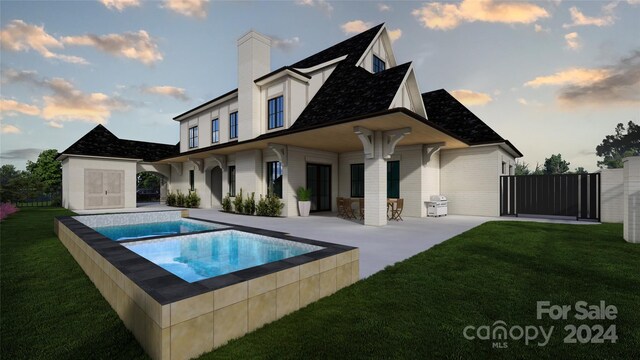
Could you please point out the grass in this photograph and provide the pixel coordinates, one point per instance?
(415, 309)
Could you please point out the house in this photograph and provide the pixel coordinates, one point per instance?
(348, 121)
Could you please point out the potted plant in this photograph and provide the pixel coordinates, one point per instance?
(304, 203)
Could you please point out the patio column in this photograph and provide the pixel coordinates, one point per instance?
(378, 146)
(375, 185)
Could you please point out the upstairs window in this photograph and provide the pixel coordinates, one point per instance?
(215, 130)
(276, 112)
(193, 137)
(378, 65)
(274, 178)
(233, 125)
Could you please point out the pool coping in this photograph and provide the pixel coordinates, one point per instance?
(166, 287)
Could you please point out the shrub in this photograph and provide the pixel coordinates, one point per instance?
(180, 198)
(274, 205)
(249, 206)
(7, 209)
(237, 202)
(262, 209)
(303, 194)
(192, 200)
(171, 199)
(226, 203)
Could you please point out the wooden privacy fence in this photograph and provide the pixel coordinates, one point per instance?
(574, 195)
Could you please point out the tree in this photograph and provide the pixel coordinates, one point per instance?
(555, 165)
(8, 173)
(522, 168)
(616, 147)
(581, 170)
(148, 180)
(47, 171)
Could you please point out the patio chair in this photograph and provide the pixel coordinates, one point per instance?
(397, 211)
(361, 203)
(342, 211)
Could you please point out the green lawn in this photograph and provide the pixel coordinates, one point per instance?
(415, 309)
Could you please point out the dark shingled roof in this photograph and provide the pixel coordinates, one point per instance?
(352, 91)
(353, 46)
(102, 142)
(443, 109)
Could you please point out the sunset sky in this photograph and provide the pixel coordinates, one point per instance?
(550, 76)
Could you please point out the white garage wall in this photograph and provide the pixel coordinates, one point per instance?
(612, 192)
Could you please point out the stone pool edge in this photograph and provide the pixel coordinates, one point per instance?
(180, 320)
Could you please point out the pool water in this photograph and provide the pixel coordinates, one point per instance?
(140, 231)
(201, 256)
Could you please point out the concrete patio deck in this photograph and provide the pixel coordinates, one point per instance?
(379, 246)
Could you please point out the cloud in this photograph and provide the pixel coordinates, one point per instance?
(574, 76)
(191, 8)
(54, 124)
(539, 28)
(20, 36)
(383, 7)
(175, 92)
(9, 129)
(579, 19)
(65, 102)
(133, 45)
(447, 16)
(120, 4)
(21, 154)
(322, 5)
(12, 107)
(285, 45)
(355, 26)
(522, 101)
(470, 98)
(573, 40)
(617, 84)
(394, 34)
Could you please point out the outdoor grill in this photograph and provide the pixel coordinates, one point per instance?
(437, 206)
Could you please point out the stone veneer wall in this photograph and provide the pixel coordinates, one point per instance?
(198, 324)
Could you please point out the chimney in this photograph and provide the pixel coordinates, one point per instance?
(254, 61)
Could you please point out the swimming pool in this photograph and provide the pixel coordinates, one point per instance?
(201, 256)
(145, 230)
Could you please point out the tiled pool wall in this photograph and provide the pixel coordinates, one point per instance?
(101, 220)
(179, 320)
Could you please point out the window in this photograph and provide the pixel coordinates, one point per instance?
(274, 177)
(232, 181)
(357, 180)
(215, 130)
(276, 112)
(233, 125)
(393, 179)
(504, 168)
(192, 180)
(378, 65)
(193, 137)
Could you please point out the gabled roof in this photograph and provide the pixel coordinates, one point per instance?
(102, 142)
(445, 110)
(353, 47)
(352, 91)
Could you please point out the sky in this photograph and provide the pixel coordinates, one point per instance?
(550, 76)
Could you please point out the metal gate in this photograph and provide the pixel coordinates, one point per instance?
(574, 195)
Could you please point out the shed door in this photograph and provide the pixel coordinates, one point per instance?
(103, 189)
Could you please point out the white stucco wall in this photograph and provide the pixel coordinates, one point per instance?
(611, 195)
(203, 121)
(469, 178)
(73, 179)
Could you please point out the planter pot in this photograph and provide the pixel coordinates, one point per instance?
(304, 207)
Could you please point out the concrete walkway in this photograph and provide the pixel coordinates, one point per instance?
(379, 246)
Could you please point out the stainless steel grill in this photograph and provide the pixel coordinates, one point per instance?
(437, 206)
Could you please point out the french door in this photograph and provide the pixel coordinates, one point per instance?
(319, 181)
